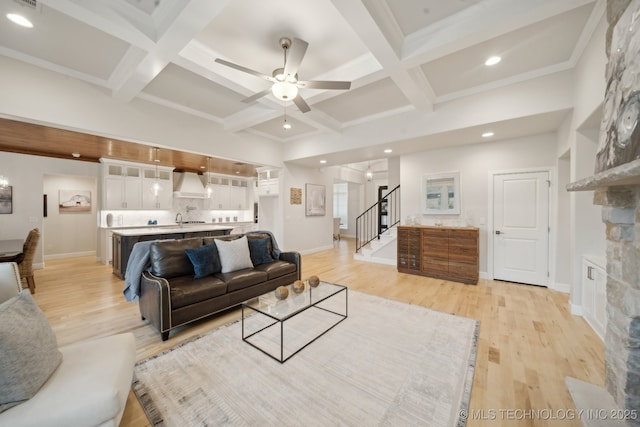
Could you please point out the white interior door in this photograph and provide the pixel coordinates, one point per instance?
(521, 227)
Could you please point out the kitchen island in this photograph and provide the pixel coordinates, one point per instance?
(125, 238)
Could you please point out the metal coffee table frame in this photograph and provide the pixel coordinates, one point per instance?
(261, 307)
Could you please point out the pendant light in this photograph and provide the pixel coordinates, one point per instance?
(209, 186)
(369, 173)
(156, 188)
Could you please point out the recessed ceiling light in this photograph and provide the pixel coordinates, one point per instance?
(492, 60)
(388, 150)
(487, 134)
(201, 167)
(323, 161)
(20, 20)
(75, 154)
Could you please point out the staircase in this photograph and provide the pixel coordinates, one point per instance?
(376, 230)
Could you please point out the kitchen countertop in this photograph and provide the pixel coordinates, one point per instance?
(164, 229)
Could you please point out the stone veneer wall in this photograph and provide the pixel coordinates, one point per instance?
(621, 214)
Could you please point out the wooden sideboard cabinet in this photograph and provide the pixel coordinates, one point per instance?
(449, 253)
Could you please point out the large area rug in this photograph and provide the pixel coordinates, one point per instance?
(388, 363)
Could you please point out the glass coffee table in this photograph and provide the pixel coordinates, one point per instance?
(281, 328)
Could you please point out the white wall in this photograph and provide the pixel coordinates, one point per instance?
(68, 234)
(563, 276)
(303, 233)
(474, 163)
(26, 175)
(587, 229)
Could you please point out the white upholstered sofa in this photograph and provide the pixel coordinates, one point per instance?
(88, 388)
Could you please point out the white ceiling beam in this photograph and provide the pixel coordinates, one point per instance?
(187, 24)
(378, 30)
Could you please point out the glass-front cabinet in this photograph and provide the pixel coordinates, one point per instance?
(133, 186)
(226, 193)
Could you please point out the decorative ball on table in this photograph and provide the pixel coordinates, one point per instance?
(282, 292)
(314, 281)
(298, 286)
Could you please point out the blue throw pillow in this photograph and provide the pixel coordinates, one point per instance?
(205, 260)
(259, 251)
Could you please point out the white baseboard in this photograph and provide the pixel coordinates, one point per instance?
(314, 250)
(69, 255)
(565, 288)
(576, 309)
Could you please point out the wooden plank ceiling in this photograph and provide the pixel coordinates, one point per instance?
(28, 138)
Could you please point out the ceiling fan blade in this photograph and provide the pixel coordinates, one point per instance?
(325, 84)
(301, 104)
(256, 96)
(294, 56)
(244, 69)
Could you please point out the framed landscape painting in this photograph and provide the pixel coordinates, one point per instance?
(74, 201)
(316, 200)
(6, 200)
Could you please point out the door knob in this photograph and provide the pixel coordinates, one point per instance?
(498, 232)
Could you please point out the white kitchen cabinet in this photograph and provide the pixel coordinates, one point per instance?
(106, 244)
(594, 293)
(218, 192)
(238, 194)
(227, 193)
(268, 183)
(162, 199)
(122, 186)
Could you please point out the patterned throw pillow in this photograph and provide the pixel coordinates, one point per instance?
(205, 260)
(234, 255)
(29, 352)
(259, 251)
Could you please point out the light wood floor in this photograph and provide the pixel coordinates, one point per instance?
(528, 339)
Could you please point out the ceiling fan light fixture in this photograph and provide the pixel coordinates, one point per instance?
(284, 91)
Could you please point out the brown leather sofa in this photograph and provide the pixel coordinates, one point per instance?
(170, 296)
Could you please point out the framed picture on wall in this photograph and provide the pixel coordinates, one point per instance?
(316, 201)
(74, 201)
(6, 200)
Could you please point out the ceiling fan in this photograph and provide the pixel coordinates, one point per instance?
(285, 80)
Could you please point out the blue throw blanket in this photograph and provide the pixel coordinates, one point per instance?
(138, 262)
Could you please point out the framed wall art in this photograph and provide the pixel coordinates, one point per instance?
(441, 194)
(74, 201)
(295, 196)
(316, 200)
(6, 200)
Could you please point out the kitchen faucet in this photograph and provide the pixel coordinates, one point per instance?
(179, 221)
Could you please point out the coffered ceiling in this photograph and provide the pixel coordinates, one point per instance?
(402, 56)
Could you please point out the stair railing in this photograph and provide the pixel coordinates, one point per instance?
(369, 225)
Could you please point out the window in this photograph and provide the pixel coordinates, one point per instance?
(341, 203)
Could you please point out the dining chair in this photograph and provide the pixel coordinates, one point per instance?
(24, 260)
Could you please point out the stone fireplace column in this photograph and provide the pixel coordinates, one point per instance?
(617, 189)
(620, 213)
